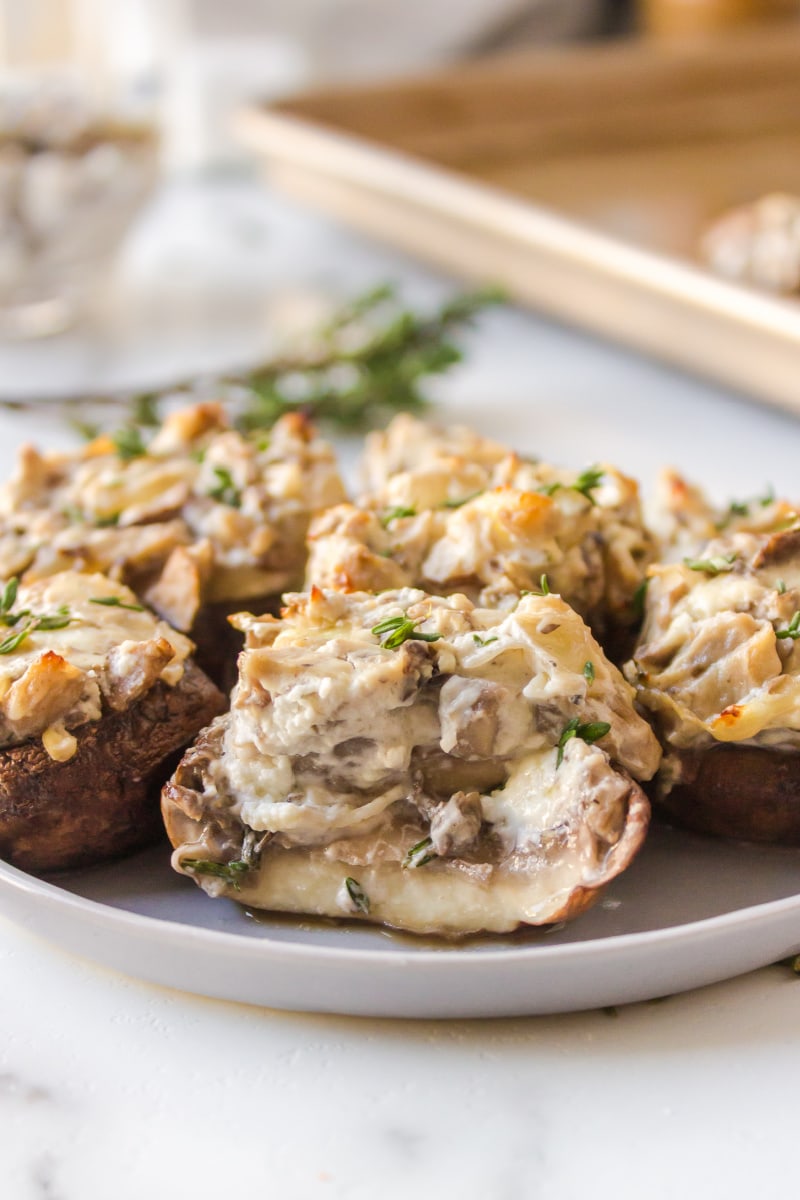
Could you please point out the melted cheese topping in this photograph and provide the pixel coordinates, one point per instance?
(684, 518)
(55, 680)
(711, 666)
(328, 728)
(484, 523)
(240, 505)
(437, 776)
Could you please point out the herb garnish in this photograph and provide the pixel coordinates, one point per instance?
(639, 597)
(793, 630)
(464, 500)
(231, 872)
(128, 443)
(57, 620)
(588, 671)
(420, 854)
(225, 491)
(736, 508)
(399, 630)
(718, 565)
(357, 894)
(115, 602)
(586, 482)
(780, 587)
(394, 514)
(590, 733)
(9, 594)
(544, 586)
(479, 641)
(370, 360)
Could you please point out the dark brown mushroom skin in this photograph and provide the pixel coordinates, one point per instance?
(741, 792)
(217, 643)
(103, 802)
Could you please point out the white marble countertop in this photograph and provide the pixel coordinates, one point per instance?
(114, 1088)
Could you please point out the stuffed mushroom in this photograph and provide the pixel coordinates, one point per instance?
(97, 695)
(450, 512)
(199, 521)
(718, 672)
(415, 761)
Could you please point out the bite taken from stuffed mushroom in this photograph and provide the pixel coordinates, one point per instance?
(418, 762)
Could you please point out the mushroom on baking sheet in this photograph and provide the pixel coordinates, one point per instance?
(418, 762)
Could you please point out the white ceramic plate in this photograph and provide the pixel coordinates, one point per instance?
(690, 911)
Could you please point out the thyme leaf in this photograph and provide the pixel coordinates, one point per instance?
(225, 491)
(129, 443)
(9, 594)
(394, 514)
(230, 872)
(393, 631)
(14, 640)
(639, 598)
(479, 641)
(357, 894)
(793, 629)
(718, 565)
(587, 481)
(57, 620)
(462, 501)
(420, 854)
(588, 671)
(33, 621)
(589, 733)
(115, 602)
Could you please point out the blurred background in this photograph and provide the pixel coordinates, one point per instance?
(136, 236)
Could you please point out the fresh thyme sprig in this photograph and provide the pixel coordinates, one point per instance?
(32, 621)
(369, 361)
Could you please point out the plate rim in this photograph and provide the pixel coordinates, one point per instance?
(47, 894)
